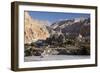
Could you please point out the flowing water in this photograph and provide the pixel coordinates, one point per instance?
(55, 57)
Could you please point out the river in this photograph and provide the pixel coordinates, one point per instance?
(55, 57)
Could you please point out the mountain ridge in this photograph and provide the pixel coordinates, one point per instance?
(41, 30)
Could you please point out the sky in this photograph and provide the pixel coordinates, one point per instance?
(55, 16)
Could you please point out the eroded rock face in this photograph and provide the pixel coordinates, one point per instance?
(34, 29)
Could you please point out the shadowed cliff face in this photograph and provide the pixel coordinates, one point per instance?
(74, 26)
(34, 29)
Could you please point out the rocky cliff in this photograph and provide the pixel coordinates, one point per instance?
(75, 26)
(34, 29)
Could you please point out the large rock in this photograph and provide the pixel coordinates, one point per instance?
(34, 29)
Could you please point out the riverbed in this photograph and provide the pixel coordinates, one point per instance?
(55, 57)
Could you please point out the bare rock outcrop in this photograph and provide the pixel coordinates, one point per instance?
(34, 29)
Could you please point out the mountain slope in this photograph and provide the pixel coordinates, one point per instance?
(74, 26)
(34, 29)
